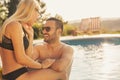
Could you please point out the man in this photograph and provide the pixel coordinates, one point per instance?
(53, 48)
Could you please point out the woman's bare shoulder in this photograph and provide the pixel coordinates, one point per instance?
(12, 28)
(13, 24)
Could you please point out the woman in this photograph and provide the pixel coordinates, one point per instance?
(16, 39)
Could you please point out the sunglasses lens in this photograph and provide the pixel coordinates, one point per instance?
(46, 28)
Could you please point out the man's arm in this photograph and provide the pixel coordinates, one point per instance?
(65, 61)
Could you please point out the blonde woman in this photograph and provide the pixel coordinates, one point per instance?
(16, 37)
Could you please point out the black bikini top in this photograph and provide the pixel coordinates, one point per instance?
(7, 43)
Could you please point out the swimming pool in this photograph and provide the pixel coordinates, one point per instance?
(93, 41)
(95, 58)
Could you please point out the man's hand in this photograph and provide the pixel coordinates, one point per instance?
(47, 63)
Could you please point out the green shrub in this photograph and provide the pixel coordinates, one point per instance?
(37, 30)
(68, 29)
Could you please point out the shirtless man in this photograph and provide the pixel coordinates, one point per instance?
(53, 48)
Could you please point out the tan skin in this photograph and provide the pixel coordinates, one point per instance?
(0, 55)
(16, 59)
(54, 49)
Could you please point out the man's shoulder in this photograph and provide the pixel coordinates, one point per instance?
(41, 45)
(68, 49)
(67, 46)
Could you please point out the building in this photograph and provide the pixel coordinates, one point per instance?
(90, 25)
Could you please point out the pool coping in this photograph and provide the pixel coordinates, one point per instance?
(81, 37)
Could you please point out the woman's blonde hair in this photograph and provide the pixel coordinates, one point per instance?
(23, 13)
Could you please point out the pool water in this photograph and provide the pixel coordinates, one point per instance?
(95, 59)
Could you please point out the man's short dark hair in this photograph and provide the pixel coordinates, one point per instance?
(59, 23)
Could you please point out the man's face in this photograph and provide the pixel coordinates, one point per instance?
(49, 31)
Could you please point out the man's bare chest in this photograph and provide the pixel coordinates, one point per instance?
(55, 54)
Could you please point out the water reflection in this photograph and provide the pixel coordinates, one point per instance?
(111, 65)
(95, 62)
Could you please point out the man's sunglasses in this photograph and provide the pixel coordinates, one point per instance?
(46, 28)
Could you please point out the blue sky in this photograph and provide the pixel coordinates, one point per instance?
(77, 9)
